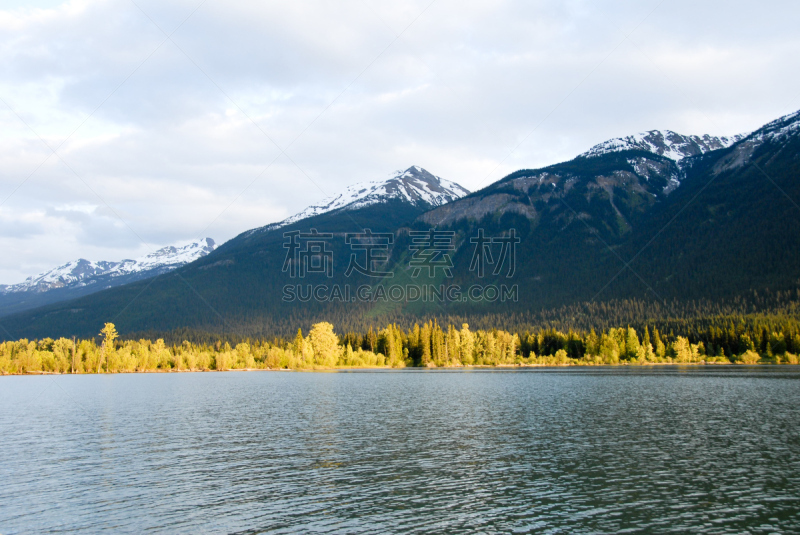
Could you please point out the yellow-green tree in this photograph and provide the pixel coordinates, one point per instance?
(325, 344)
(109, 334)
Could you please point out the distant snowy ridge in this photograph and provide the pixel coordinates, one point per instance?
(779, 129)
(82, 272)
(415, 185)
(664, 143)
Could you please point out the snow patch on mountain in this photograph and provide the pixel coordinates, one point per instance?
(82, 272)
(415, 185)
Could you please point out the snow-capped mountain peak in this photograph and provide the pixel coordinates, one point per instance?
(82, 272)
(664, 143)
(415, 185)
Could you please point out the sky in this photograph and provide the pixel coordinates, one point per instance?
(129, 125)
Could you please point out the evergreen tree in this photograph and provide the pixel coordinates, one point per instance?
(660, 348)
(297, 345)
(631, 344)
(467, 349)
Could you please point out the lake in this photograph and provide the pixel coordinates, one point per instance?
(634, 449)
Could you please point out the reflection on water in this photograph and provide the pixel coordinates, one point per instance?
(570, 451)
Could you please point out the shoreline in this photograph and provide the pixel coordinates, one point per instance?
(421, 368)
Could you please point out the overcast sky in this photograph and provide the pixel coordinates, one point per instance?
(128, 125)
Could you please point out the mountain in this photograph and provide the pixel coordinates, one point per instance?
(81, 277)
(649, 220)
(645, 221)
(414, 186)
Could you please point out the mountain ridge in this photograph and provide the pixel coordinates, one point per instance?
(82, 272)
(607, 226)
(665, 143)
(645, 168)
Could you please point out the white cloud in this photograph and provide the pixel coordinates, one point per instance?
(166, 138)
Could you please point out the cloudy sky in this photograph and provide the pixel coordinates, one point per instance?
(128, 125)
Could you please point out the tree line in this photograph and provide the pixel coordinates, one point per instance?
(720, 340)
(684, 318)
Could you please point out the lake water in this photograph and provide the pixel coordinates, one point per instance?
(546, 451)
